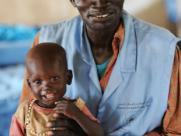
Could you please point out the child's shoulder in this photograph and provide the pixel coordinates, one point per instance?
(22, 110)
(23, 105)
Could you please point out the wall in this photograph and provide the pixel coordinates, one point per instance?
(35, 12)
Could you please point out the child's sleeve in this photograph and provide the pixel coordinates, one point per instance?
(16, 128)
(82, 106)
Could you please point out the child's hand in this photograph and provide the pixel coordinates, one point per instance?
(61, 125)
(67, 108)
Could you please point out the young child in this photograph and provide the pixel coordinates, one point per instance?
(47, 76)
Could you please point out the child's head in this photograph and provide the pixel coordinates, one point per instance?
(47, 73)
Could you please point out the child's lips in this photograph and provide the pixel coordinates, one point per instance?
(50, 97)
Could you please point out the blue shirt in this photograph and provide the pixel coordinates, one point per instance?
(139, 81)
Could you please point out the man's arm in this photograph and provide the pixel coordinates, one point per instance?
(172, 118)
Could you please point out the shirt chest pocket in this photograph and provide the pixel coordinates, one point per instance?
(128, 112)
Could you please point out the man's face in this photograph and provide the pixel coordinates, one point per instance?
(100, 14)
(47, 82)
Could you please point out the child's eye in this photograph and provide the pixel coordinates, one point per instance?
(37, 82)
(55, 78)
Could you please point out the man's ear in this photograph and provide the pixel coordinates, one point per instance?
(73, 3)
(69, 77)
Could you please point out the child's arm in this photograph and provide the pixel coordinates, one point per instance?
(86, 120)
(16, 128)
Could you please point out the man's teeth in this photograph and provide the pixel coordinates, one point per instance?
(102, 16)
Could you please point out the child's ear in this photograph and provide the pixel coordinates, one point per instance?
(69, 77)
(28, 82)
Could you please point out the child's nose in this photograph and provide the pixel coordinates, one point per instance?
(46, 82)
(46, 85)
(46, 88)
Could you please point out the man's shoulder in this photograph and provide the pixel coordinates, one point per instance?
(150, 33)
(149, 28)
(144, 30)
(62, 24)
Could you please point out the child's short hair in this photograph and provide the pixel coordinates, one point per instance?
(48, 50)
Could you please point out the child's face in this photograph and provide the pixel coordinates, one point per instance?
(47, 82)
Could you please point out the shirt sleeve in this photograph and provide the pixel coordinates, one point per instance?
(172, 118)
(171, 125)
(16, 128)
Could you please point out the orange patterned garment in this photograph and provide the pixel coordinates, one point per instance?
(30, 119)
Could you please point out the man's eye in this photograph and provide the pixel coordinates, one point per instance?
(56, 78)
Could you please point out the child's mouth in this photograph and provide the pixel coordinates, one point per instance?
(50, 97)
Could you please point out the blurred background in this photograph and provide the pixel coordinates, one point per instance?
(20, 20)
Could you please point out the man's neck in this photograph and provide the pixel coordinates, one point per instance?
(100, 39)
(101, 42)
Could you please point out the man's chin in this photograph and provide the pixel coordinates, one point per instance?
(100, 27)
